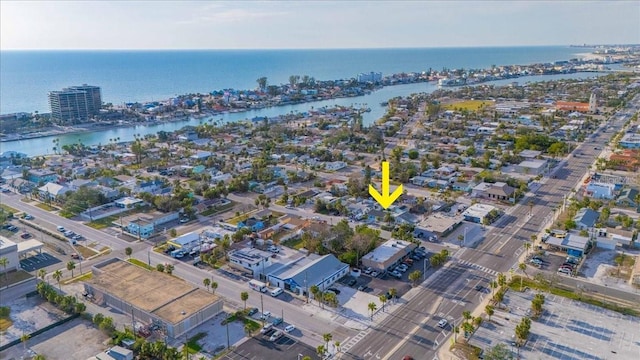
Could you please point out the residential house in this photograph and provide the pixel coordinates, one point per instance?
(598, 190)
(41, 176)
(335, 165)
(407, 218)
(496, 191)
(252, 223)
(629, 197)
(586, 218)
(22, 186)
(53, 191)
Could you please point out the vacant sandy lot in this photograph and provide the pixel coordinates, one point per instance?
(75, 340)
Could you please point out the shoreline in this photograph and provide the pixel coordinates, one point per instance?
(96, 127)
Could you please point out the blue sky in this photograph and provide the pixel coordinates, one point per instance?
(322, 24)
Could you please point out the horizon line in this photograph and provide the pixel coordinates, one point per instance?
(312, 48)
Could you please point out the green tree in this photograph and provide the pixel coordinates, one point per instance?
(244, 296)
(169, 269)
(57, 275)
(128, 251)
(415, 276)
(24, 338)
(71, 265)
(372, 308)
(160, 267)
(383, 300)
(327, 337)
(394, 293)
(321, 350)
(42, 274)
(490, 310)
(206, 282)
(214, 286)
(262, 83)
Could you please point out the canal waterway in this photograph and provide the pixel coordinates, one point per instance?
(44, 145)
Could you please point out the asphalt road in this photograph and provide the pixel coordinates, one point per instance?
(399, 335)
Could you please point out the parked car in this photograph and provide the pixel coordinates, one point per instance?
(277, 321)
(25, 235)
(28, 217)
(276, 335)
(368, 270)
(352, 282)
(375, 274)
(75, 256)
(273, 249)
(564, 271)
(69, 233)
(252, 311)
(61, 228)
(289, 328)
(409, 262)
(77, 237)
(416, 257)
(12, 228)
(362, 288)
(266, 328)
(442, 323)
(396, 274)
(265, 315)
(479, 288)
(184, 220)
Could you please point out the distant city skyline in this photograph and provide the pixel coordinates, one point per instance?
(148, 25)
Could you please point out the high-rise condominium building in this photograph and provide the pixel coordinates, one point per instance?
(75, 104)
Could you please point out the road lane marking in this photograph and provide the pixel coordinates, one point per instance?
(415, 330)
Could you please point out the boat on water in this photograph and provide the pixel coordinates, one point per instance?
(384, 103)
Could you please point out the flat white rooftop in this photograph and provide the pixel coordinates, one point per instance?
(385, 251)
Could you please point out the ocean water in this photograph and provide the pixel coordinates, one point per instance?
(126, 76)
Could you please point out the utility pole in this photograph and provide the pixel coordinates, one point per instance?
(262, 308)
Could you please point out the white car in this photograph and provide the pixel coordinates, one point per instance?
(266, 328)
(395, 274)
(442, 323)
(375, 274)
(289, 328)
(265, 315)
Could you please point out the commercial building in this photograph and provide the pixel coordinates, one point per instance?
(630, 141)
(75, 104)
(478, 212)
(187, 241)
(388, 255)
(151, 297)
(598, 190)
(147, 224)
(9, 251)
(573, 244)
(252, 260)
(437, 224)
(532, 167)
(306, 271)
(373, 77)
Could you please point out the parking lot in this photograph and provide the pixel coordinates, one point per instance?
(38, 261)
(567, 329)
(259, 348)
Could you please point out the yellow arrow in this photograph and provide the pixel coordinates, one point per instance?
(385, 199)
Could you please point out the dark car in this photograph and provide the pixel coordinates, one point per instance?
(25, 235)
(252, 311)
(334, 290)
(479, 288)
(352, 282)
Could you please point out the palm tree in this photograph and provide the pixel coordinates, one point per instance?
(169, 268)
(321, 350)
(372, 307)
(214, 286)
(527, 246)
(327, 337)
(24, 338)
(383, 300)
(489, 310)
(244, 296)
(70, 266)
(4, 262)
(57, 275)
(523, 267)
(394, 294)
(206, 282)
(128, 251)
(42, 273)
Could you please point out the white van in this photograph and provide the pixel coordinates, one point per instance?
(277, 291)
